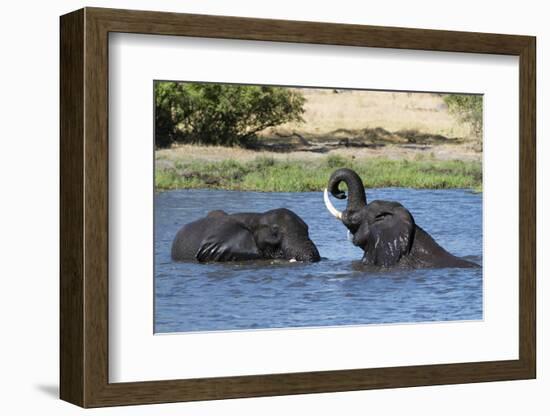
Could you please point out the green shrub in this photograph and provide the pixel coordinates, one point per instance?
(220, 114)
(469, 109)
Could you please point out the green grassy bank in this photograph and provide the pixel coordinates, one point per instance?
(272, 175)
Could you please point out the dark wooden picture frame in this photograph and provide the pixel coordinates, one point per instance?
(84, 207)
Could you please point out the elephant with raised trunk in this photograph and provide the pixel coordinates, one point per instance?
(385, 230)
(275, 234)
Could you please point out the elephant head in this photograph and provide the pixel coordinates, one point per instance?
(281, 234)
(383, 229)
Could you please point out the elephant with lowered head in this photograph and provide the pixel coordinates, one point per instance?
(385, 230)
(275, 234)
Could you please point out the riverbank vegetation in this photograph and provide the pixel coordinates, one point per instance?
(276, 139)
(267, 174)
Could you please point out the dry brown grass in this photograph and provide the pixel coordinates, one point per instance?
(326, 111)
(219, 153)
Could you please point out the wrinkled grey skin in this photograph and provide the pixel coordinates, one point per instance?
(275, 234)
(386, 230)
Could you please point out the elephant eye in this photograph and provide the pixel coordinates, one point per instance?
(354, 218)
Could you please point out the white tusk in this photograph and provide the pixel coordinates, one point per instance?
(331, 207)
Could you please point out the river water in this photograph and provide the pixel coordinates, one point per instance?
(335, 291)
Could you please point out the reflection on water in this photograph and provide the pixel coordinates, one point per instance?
(335, 291)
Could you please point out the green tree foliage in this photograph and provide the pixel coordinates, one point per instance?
(219, 114)
(469, 109)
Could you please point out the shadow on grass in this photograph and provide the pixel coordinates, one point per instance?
(361, 138)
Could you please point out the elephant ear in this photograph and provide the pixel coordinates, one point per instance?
(230, 241)
(389, 237)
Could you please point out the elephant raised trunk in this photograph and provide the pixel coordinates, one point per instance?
(356, 191)
(385, 230)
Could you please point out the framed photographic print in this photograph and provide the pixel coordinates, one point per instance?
(256, 207)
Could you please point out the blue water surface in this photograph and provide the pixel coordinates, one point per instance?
(335, 291)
